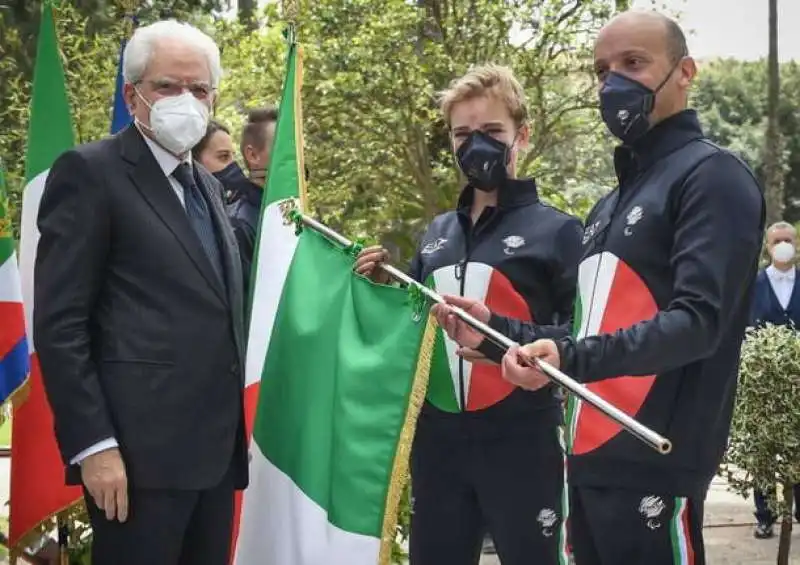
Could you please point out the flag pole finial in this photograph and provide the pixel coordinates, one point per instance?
(130, 11)
(290, 9)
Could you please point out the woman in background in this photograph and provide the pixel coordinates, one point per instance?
(215, 150)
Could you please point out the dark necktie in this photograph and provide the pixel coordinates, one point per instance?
(199, 216)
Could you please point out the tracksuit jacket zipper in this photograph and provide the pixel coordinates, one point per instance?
(471, 230)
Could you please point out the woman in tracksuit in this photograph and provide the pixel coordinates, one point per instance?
(487, 455)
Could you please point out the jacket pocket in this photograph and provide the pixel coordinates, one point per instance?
(142, 362)
(138, 397)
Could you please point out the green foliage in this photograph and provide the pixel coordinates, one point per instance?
(764, 448)
(378, 149)
(731, 97)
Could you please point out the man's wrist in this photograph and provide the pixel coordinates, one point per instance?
(491, 350)
(566, 354)
(104, 445)
(496, 322)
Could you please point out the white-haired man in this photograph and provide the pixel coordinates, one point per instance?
(138, 317)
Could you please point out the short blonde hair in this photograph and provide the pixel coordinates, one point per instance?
(486, 80)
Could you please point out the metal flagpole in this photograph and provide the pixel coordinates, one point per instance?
(637, 429)
(63, 540)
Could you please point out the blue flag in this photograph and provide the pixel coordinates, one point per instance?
(121, 117)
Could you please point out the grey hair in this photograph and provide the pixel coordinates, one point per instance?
(141, 46)
(782, 226)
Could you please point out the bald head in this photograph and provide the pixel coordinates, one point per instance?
(672, 35)
(649, 48)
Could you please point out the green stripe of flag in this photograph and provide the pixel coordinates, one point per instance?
(50, 131)
(337, 384)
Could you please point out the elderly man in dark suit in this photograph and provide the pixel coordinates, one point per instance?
(139, 317)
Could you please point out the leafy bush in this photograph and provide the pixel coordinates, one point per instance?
(764, 448)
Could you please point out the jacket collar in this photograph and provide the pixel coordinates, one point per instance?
(248, 191)
(661, 140)
(515, 193)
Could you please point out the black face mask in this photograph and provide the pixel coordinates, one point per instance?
(231, 176)
(483, 159)
(626, 105)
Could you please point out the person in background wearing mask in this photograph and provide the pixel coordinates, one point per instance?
(776, 301)
(663, 302)
(246, 192)
(215, 150)
(139, 317)
(487, 454)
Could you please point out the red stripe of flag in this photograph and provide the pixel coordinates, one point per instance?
(38, 491)
(250, 404)
(12, 329)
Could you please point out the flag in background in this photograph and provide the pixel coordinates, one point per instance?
(120, 117)
(37, 472)
(14, 356)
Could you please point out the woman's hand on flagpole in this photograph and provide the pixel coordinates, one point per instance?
(369, 261)
(458, 330)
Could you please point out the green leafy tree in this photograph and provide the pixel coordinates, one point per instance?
(379, 151)
(764, 447)
(731, 97)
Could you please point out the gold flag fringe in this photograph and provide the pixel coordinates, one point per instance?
(20, 394)
(16, 551)
(399, 476)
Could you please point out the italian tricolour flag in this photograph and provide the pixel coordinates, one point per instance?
(14, 360)
(37, 472)
(336, 372)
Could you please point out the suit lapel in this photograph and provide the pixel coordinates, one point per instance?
(795, 296)
(155, 188)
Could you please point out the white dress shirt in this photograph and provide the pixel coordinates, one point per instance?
(782, 284)
(168, 163)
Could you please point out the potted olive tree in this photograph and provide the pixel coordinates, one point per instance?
(764, 448)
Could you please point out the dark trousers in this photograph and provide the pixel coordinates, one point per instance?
(510, 486)
(764, 515)
(167, 527)
(616, 527)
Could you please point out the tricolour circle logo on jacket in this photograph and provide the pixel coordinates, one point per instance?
(483, 383)
(611, 296)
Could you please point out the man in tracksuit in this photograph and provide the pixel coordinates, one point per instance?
(664, 285)
(487, 455)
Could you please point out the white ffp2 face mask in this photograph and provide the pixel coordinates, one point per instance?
(178, 123)
(783, 252)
